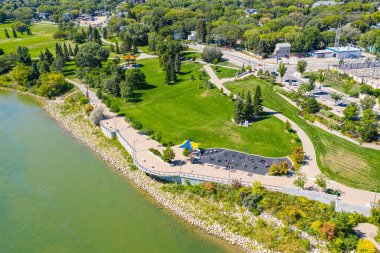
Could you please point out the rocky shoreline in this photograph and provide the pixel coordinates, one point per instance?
(80, 129)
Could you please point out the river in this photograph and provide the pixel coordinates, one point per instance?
(57, 196)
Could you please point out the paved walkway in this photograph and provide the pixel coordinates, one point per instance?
(142, 143)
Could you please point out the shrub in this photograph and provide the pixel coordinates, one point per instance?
(186, 151)
(328, 230)
(210, 53)
(135, 124)
(297, 157)
(155, 151)
(365, 246)
(88, 109)
(114, 108)
(209, 186)
(278, 169)
(252, 203)
(96, 116)
(83, 100)
(236, 184)
(168, 154)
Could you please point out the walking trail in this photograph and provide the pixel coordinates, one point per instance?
(152, 163)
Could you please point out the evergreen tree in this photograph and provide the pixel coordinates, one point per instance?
(135, 49)
(248, 111)
(43, 67)
(29, 31)
(24, 56)
(58, 64)
(177, 64)
(90, 31)
(97, 38)
(58, 50)
(14, 32)
(42, 56)
(201, 30)
(66, 52)
(49, 56)
(258, 102)
(105, 35)
(117, 47)
(76, 49)
(7, 34)
(35, 72)
(238, 111)
(71, 53)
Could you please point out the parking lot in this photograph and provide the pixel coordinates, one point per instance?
(233, 160)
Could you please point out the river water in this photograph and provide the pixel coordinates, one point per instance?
(57, 196)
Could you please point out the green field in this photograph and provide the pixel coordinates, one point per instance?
(339, 159)
(183, 110)
(224, 72)
(42, 38)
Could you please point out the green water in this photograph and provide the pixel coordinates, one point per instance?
(57, 196)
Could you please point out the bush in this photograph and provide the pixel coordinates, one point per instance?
(96, 116)
(365, 246)
(135, 124)
(278, 169)
(155, 151)
(210, 53)
(168, 154)
(83, 100)
(186, 151)
(88, 109)
(114, 108)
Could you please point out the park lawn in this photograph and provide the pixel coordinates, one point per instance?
(183, 110)
(41, 38)
(222, 72)
(338, 158)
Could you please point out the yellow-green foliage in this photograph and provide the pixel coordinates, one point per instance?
(365, 246)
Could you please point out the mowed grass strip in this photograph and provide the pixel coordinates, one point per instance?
(183, 110)
(222, 72)
(41, 38)
(339, 159)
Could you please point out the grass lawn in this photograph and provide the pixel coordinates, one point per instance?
(339, 159)
(42, 38)
(183, 110)
(224, 72)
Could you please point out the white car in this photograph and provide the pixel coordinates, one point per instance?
(284, 62)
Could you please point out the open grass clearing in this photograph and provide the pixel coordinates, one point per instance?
(183, 110)
(222, 72)
(338, 158)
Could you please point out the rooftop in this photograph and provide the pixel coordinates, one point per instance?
(344, 49)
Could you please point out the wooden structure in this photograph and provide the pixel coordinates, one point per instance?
(130, 58)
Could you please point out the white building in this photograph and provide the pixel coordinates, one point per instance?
(192, 36)
(345, 52)
(282, 49)
(324, 3)
(322, 54)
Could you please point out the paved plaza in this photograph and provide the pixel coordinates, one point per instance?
(234, 160)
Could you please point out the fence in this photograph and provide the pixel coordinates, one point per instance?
(312, 195)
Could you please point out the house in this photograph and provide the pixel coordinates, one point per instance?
(176, 36)
(322, 54)
(251, 11)
(324, 3)
(44, 15)
(282, 49)
(345, 52)
(192, 36)
(377, 26)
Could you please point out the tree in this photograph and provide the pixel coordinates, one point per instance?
(328, 230)
(306, 87)
(117, 47)
(71, 53)
(14, 32)
(177, 63)
(282, 70)
(365, 246)
(301, 66)
(368, 102)
(49, 56)
(248, 109)
(52, 85)
(96, 116)
(321, 77)
(258, 102)
(111, 86)
(321, 181)
(312, 106)
(300, 179)
(351, 111)
(210, 53)
(105, 33)
(238, 114)
(24, 56)
(126, 90)
(278, 169)
(43, 66)
(76, 49)
(135, 78)
(91, 55)
(21, 74)
(336, 96)
(6, 33)
(66, 52)
(58, 64)
(168, 155)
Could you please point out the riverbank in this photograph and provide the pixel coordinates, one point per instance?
(76, 124)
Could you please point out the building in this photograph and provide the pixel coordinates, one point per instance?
(192, 36)
(322, 54)
(324, 3)
(377, 26)
(345, 52)
(282, 49)
(251, 11)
